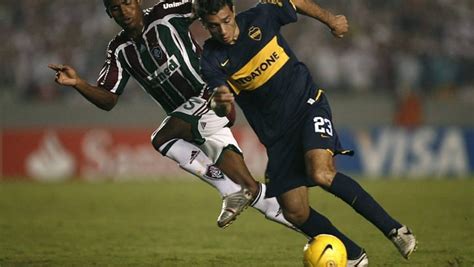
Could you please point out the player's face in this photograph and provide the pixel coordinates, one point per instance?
(127, 13)
(222, 25)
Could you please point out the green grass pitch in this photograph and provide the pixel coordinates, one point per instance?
(168, 223)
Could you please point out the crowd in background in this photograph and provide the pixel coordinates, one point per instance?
(394, 46)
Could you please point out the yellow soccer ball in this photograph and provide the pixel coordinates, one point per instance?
(325, 251)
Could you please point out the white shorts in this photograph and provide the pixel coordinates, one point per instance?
(209, 130)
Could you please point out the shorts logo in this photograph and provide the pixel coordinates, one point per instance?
(214, 173)
(194, 155)
(255, 33)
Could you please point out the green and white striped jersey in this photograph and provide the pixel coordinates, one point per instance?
(165, 61)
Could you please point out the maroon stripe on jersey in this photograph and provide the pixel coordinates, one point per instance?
(109, 79)
(198, 47)
(154, 48)
(131, 55)
(201, 110)
(184, 87)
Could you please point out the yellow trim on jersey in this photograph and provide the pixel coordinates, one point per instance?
(316, 98)
(330, 151)
(318, 95)
(278, 2)
(293, 4)
(263, 66)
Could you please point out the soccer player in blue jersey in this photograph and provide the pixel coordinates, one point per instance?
(247, 59)
(156, 48)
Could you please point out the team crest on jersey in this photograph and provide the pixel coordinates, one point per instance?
(255, 33)
(156, 52)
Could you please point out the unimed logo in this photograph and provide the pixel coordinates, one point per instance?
(165, 71)
(174, 4)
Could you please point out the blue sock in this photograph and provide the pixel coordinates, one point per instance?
(353, 194)
(318, 224)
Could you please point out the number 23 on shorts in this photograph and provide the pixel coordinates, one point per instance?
(322, 126)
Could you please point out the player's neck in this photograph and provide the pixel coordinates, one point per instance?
(236, 34)
(135, 33)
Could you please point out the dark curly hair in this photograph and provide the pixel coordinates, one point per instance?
(203, 8)
(106, 3)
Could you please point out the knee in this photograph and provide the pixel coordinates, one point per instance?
(296, 216)
(323, 177)
(158, 140)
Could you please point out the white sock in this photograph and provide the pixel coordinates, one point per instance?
(193, 160)
(270, 208)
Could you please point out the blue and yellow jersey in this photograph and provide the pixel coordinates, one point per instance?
(271, 85)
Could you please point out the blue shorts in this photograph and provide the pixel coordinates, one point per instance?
(286, 164)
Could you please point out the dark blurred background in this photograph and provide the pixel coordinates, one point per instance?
(401, 86)
(398, 53)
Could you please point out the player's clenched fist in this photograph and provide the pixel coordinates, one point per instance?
(221, 101)
(339, 25)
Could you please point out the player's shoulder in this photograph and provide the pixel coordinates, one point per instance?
(253, 12)
(213, 52)
(167, 7)
(261, 11)
(119, 39)
(212, 46)
(270, 7)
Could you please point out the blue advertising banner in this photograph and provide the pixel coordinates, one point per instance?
(426, 152)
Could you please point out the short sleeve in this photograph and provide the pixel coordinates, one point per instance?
(112, 76)
(284, 11)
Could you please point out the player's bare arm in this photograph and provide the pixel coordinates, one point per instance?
(67, 76)
(221, 101)
(337, 23)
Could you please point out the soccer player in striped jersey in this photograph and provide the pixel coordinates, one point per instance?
(248, 59)
(156, 48)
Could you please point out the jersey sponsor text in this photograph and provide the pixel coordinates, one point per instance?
(263, 66)
(164, 72)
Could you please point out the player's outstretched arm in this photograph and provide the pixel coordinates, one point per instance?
(337, 23)
(221, 101)
(67, 76)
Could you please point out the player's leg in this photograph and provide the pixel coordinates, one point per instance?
(222, 148)
(320, 167)
(321, 144)
(232, 163)
(296, 209)
(286, 178)
(172, 140)
(169, 140)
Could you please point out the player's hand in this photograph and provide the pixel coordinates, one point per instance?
(339, 26)
(65, 75)
(221, 101)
